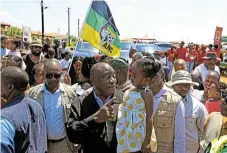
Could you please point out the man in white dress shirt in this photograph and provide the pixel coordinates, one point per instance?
(195, 111)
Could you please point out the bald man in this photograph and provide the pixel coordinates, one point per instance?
(202, 95)
(38, 71)
(93, 117)
(55, 99)
(179, 64)
(135, 57)
(22, 122)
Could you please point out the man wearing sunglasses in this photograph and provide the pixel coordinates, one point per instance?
(55, 99)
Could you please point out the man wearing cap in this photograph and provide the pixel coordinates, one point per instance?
(33, 58)
(120, 67)
(195, 111)
(201, 71)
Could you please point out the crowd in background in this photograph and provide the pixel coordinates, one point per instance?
(163, 102)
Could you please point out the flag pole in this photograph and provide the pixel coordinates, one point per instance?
(74, 51)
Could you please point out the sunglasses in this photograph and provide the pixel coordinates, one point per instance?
(51, 75)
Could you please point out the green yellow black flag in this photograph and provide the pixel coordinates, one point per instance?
(100, 30)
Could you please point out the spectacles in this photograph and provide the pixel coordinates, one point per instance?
(51, 75)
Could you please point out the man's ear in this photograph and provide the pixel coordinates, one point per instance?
(92, 79)
(117, 71)
(10, 87)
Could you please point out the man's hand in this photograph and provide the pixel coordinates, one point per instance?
(67, 79)
(105, 113)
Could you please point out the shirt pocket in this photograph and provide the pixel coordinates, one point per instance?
(190, 120)
(165, 119)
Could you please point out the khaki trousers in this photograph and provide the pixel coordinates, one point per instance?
(58, 147)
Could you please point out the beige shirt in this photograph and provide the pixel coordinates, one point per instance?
(195, 115)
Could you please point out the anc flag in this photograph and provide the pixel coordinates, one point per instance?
(100, 30)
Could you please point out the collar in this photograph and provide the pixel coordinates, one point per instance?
(60, 87)
(214, 99)
(186, 99)
(162, 92)
(15, 99)
(99, 101)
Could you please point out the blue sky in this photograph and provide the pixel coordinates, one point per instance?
(166, 20)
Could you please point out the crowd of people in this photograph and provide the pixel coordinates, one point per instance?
(107, 105)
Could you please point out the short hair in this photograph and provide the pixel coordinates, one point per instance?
(138, 55)
(48, 62)
(17, 43)
(177, 61)
(16, 76)
(34, 69)
(87, 64)
(51, 50)
(67, 53)
(14, 58)
(3, 38)
(212, 72)
(148, 66)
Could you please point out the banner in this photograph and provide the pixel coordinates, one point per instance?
(217, 36)
(224, 39)
(13, 31)
(26, 33)
(100, 30)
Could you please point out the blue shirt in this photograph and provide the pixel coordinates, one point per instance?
(7, 136)
(4, 52)
(99, 101)
(54, 114)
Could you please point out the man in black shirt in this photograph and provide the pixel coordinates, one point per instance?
(33, 58)
(58, 49)
(93, 117)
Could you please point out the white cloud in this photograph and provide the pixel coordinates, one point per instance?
(4, 14)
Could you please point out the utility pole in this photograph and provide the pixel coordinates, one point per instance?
(78, 28)
(42, 17)
(69, 25)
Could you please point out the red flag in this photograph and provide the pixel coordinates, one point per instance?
(217, 36)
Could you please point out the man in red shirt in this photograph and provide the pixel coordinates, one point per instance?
(217, 50)
(171, 57)
(180, 52)
(201, 54)
(190, 57)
